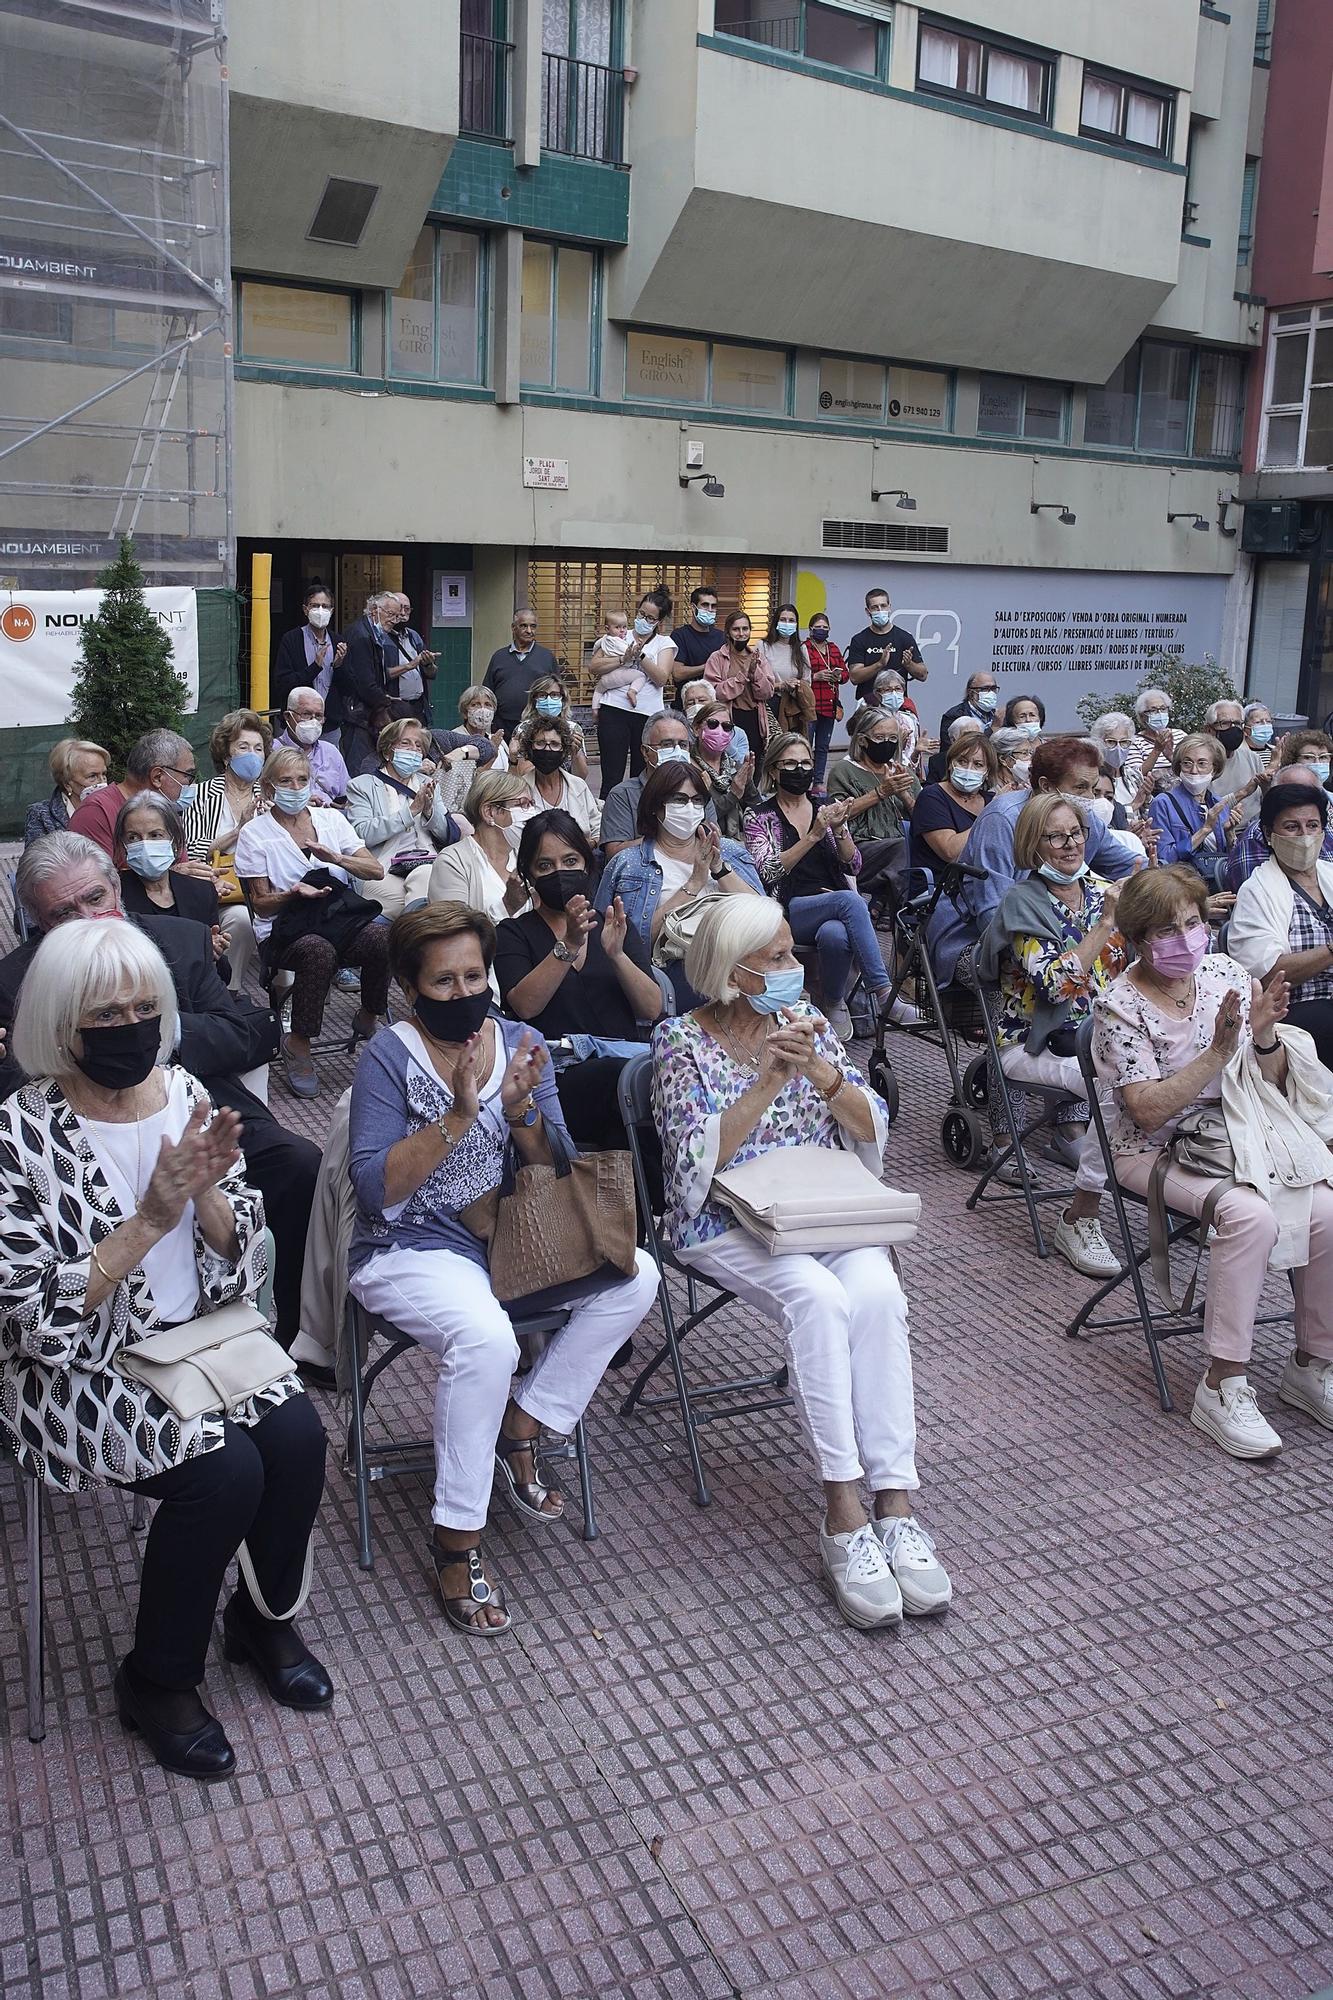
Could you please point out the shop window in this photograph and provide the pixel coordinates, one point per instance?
(296, 324)
(919, 396)
(665, 368)
(1009, 406)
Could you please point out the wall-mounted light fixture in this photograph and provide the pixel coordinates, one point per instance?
(1196, 521)
(898, 493)
(1066, 515)
(712, 489)
(1225, 501)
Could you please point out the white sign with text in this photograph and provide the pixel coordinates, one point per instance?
(39, 647)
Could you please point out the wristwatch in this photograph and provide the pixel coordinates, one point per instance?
(564, 954)
(718, 873)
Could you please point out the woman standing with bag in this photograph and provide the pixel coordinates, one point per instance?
(743, 678)
(752, 1070)
(446, 1105)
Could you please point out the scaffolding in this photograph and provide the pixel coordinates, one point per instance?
(115, 290)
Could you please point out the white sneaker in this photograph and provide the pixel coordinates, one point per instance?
(902, 1013)
(840, 1020)
(1309, 1389)
(1082, 1244)
(859, 1574)
(1232, 1418)
(922, 1578)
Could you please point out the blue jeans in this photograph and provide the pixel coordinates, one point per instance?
(821, 729)
(838, 925)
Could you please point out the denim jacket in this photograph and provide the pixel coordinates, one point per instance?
(635, 877)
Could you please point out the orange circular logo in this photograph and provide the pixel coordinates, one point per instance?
(17, 623)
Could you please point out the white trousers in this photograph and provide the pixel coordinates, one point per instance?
(1023, 1067)
(445, 1302)
(395, 892)
(239, 932)
(845, 1320)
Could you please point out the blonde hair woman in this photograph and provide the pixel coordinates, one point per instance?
(77, 767)
(479, 870)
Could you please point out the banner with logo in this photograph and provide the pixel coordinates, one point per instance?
(39, 648)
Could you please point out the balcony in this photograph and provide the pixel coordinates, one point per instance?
(583, 109)
(484, 103)
(783, 34)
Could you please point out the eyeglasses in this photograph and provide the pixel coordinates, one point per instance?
(1063, 839)
(176, 772)
(793, 767)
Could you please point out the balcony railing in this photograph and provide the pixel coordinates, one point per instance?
(483, 92)
(583, 109)
(783, 33)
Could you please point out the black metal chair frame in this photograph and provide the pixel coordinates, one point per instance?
(369, 1463)
(635, 1109)
(1052, 1099)
(1162, 1324)
(278, 983)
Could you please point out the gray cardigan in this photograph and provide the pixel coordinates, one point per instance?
(1025, 911)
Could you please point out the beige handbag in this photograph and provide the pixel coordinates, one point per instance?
(557, 1228)
(679, 926)
(817, 1199)
(210, 1363)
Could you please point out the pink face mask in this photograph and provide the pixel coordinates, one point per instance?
(1180, 955)
(714, 738)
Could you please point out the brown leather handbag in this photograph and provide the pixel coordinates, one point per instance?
(556, 1227)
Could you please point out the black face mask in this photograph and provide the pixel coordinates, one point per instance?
(118, 1058)
(547, 761)
(452, 1020)
(882, 752)
(1231, 738)
(740, 645)
(559, 889)
(819, 634)
(797, 781)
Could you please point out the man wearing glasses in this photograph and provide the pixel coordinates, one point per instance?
(161, 761)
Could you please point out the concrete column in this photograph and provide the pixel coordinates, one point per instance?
(494, 587)
(507, 305)
(527, 34)
(1068, 108)
(902, 47)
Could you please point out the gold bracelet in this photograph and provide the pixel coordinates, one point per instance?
(101, 1268)
(829, 1095)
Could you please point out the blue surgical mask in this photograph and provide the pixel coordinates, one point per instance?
(1028, 728)
(407, 762)
(1321, 772)
(781, 989)
(1061, 875)
(187, 794)
(149, 858)
(247, 764)
(673, 753)
(704, 615)
(291, 798)
(644, 628)
(879, 619)
(891, 698)
(986, 701)
(967, 778)
(549, 705)
(1159, 719)
(786, 629)
(1261, 735)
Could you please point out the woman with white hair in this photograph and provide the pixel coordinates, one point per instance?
(123, 1211)
(1252, 765)
(1148, 762)
(751, 1070)
(76, 768)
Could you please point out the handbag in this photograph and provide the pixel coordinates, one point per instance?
(679, 926)
(557, 1227)
(816, 1198)
(224, 874)
(1201, 1145)
(210, 1363)
(796, 707)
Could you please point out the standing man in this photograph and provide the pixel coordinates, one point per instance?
(362, 681)
(697, 640)
(513, 668)
(413, 668)
(882, 644)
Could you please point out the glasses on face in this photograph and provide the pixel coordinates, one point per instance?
(186, 777)
(1063, 839)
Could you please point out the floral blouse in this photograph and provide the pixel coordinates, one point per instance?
(695, 1080)
(766, 836)
(1036, 964)
(1133, 1041)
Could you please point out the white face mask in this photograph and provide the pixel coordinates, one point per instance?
(1022, 769)
(682, 818)
(309, 731)
(479, 720)
(1196, 782)
(513, 834)
(1101, 809)
(318, 617)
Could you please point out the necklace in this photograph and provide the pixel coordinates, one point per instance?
(737, 1052)
(1184, 1004)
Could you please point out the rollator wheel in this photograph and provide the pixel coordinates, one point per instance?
(962, 1137)
(883, 1079)
(976, 1083)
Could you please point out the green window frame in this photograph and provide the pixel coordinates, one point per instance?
(432, 335)
(248, 292)
(804, 30)
(1023, 391)
(711, 400)
(570, 370)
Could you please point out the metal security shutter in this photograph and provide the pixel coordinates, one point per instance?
(1277, 630)
(569, 594)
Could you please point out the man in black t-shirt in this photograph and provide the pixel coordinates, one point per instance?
(696, 641)
(883, 644)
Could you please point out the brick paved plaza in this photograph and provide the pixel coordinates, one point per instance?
(1106, 1772)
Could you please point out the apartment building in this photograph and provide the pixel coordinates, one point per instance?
(1288, 482)
(551, 301)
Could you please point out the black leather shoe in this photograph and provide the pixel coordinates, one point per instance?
(196, 1753)
(301, 1684)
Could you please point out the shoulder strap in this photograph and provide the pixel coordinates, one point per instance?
(1159, 1236)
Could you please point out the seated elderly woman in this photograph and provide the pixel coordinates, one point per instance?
(880, 787)
(404, 817)
(442, 1104)
(945, 813)
(149, 841)
(238, 746)
(1053, 946)
(476, 712)
(1252, 763)
(1164, 1032)
(1193, 824)
(804, 855)
(77, 768)
(296, 860)
(1013, 758)
(1283, 919)
(480, 868)
(751, 1070)
(695, 697)
(548, 702)
(124, 1210)
(1148, 759)
(1026, 712)
(1249, 850)
(554, 787)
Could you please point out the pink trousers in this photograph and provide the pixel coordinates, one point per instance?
(1244, 1232)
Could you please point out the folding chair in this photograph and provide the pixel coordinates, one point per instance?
(1051, 1099)
(278, 985)
(360, 1329)
(1162, 1324)
(636, 1110)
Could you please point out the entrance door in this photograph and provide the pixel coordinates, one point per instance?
(359, 576)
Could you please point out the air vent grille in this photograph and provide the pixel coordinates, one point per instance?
(343, 212)
(908, 538)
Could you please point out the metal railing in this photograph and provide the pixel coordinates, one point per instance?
(1263, 45)
(783, 33)
(483, 87)
(583, 109)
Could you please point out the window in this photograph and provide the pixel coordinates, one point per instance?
(36, 316)
(1168, 398)
(852, 390)
(296, 324)
(663, 368)
(848, 37)
(1011, 407)
(556, 328)
(1131, 114)
(1298, 413)
(435, 317)
(1245, 234)
(952, 64)
(919, 396)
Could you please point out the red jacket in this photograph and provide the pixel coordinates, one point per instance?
(826, 692)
